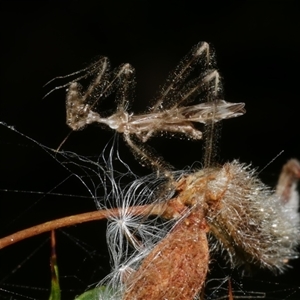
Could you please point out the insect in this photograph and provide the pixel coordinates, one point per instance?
(174, 111)
(212, 208)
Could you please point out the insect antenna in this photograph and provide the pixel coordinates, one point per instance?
(90, 70)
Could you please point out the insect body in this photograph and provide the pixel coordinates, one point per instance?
(171, 112)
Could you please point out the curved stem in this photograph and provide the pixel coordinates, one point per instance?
(156, 209)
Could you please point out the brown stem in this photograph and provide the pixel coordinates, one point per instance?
(157, 209)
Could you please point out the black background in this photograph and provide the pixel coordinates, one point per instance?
(257, 45)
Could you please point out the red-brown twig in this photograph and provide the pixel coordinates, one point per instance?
(157, 209)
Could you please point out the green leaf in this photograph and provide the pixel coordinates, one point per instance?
(55, 288)
(95, 294)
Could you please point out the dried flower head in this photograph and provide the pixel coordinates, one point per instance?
(251, 223)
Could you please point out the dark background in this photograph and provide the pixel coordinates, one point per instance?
(257, 45)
